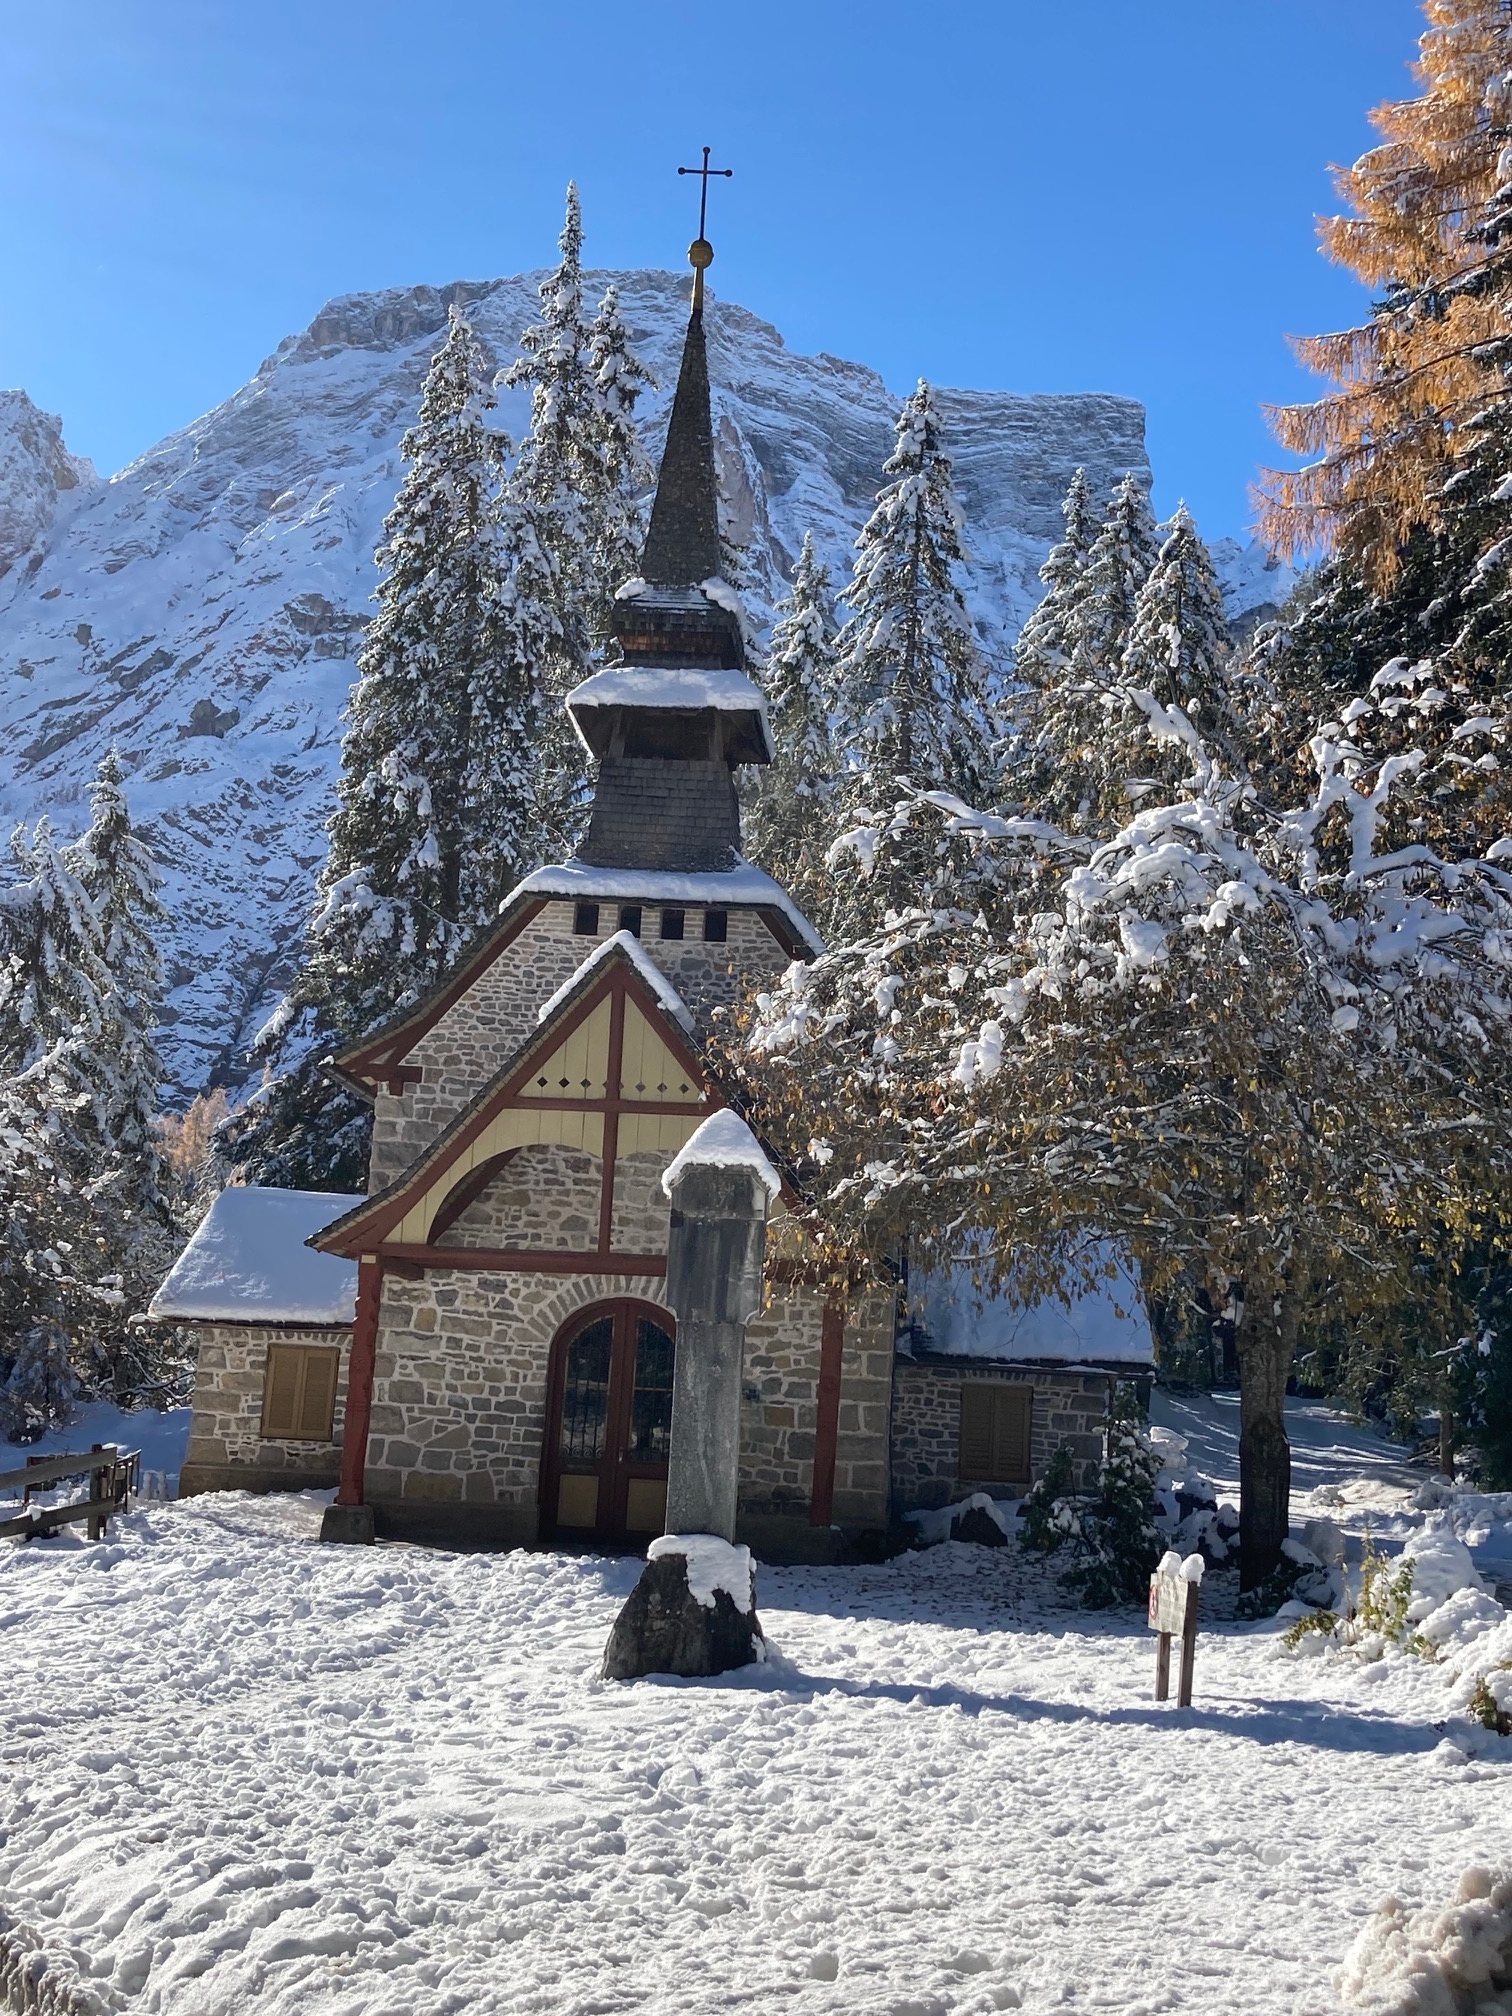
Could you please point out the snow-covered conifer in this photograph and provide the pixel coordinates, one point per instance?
(1125, 549)
(912, 696)
(1178, 655)
(440, 798)
(116, 869)
(1062, 749)
(785, 823)
(52, 977)
(1042, 652)
(623, 474)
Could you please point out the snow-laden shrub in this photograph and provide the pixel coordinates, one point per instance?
(1047, 1514)
(1114, 1537)
(41, 1385)
(1298, 1577)
(1456, 1962)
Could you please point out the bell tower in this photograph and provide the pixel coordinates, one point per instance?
(672, 718)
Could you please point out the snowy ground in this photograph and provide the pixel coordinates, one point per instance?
(245, 1775)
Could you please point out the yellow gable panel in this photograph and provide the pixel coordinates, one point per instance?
(665, 1133)
(513, 1128)
(648, 1070)
(579, 1067)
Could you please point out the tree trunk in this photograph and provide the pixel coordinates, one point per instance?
(1267, 1340)
(1446, 1439)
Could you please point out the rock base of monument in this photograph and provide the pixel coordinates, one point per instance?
(692, 1613)
(348, 1525)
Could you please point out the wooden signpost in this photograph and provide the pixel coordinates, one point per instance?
(1174, 1589)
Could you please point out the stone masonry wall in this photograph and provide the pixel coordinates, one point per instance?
(641, 1212)
(460, 1387)
(227, 1450)
(545, 1197)
(1069, 1407)
(863, 1469)
(478, 1034)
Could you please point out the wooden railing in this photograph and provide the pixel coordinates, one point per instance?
(113, 1473)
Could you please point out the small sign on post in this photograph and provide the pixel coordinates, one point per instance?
(1174, 1590)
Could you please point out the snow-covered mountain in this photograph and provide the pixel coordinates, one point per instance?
(203, 609)
(39, 480)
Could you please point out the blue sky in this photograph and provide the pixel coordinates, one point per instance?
(1110, 195)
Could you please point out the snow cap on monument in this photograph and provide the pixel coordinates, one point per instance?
(724, 1141)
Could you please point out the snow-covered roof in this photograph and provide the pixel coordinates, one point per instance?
(644, 964)
(248, 1263)
(724, 1141)
(1109, 1325)
(740, 886)
(686, 686)
(683, 688)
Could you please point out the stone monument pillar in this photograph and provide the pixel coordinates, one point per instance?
(715, 1251)
(693, 1612)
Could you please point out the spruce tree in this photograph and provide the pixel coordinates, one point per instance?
(557, 470)
(911, 683)
(53, 982)
(786, 827)
(439, 801)
(1178, 653)
(622, 472)
(117, 872)
(1042, 651)
(1061, 767)
(1102, 607)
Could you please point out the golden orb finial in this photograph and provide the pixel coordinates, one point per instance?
(700, 254)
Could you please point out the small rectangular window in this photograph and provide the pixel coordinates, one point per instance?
(585, 920)
(672, 923)
(630, 918)
(716, 926)
(299, 1393)
(995, 1435)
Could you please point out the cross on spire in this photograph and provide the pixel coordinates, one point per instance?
(703, 195)
(701, 252)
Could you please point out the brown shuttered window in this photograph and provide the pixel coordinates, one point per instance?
(995, 1422)
(299, 1393)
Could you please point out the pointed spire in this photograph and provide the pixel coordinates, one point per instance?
(682, 546)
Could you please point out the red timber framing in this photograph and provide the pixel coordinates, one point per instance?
(379, 1058)
(359, 1403)
(367, 1233)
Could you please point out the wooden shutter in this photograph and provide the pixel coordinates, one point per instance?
(317, 1407)
(299, 1393)
(995, 1434)
(280, 1414)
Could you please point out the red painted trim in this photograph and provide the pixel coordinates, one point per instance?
(371, 1059)
(380, 1218)
(504, 1260)
(359, 1400)
(827, 1428)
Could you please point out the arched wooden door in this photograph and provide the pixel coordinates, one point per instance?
(609, 1424)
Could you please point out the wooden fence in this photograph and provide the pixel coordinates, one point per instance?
(113, 1473)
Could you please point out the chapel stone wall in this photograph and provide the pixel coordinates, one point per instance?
(460, 1403)
(227, 1450)
(479, 1033)
(1070, 1407)
(642, 1214)
(545, 1198)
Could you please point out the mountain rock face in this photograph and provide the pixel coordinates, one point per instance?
(203, 610)
(39, 480)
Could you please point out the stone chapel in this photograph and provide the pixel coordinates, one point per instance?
(478, 1350)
